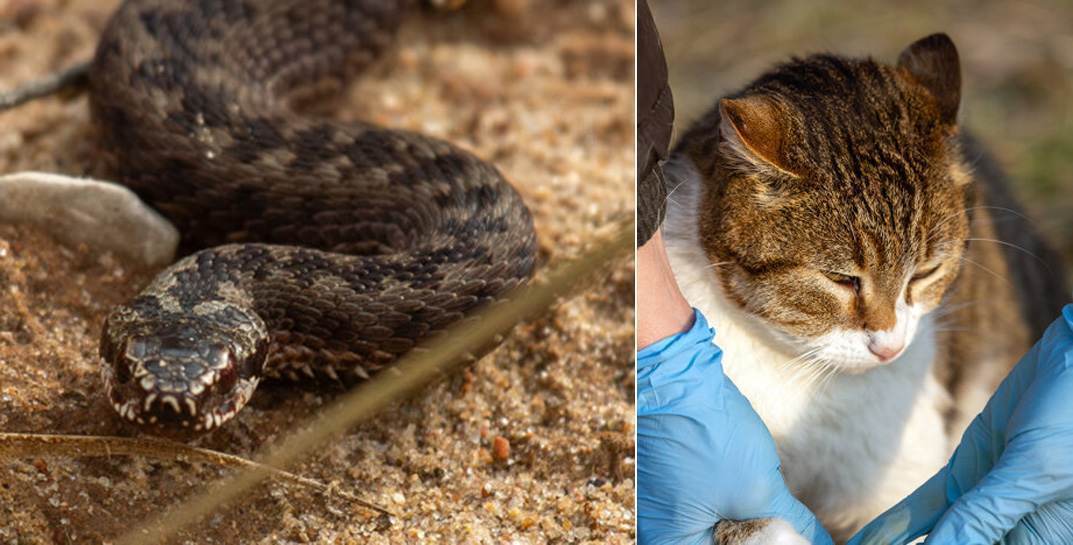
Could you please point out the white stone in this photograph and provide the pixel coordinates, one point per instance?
(103, 215)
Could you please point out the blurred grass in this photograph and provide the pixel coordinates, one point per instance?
(1017, 70)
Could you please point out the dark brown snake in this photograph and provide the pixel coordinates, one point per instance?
(320, 249)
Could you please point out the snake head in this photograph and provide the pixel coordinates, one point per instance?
(177, 376)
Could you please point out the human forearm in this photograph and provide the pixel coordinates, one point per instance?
(662, 311)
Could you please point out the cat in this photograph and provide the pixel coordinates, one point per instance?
(869, 277)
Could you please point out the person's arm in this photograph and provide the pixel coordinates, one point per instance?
(703, 454)
(662, 311)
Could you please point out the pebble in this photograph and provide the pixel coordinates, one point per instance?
(500, 449)
(102, 215)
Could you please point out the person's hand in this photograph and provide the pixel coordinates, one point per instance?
(1011, 478)
(703, 454)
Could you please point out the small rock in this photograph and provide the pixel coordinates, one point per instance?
(500, 449)
(76, 211)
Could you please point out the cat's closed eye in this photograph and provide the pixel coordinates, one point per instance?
(925, 272)
(845, 280)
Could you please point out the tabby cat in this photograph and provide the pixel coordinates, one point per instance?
(869, 277)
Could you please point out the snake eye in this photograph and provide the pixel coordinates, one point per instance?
(216, 355)
(136, 349)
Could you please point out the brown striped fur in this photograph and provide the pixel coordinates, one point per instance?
(850, 168)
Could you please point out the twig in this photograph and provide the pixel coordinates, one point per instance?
(23, 445)
(419, 368)
(68, 78)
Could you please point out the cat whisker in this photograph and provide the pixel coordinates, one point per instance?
(801, 357)
(718, 264)
(812, 367)
(948, 329)
(947, 325)
(943, 221)
(829, 372)
(949, 217)
(1011, 245)
(786, 364)
(951, 308)
(1013, 214)
(675, 188)
(669, 197)
(1001, 209)
(803, 368)
(832, 371)
(995, 274)
(805, 374)
(993, 220)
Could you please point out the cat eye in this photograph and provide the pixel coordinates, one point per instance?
(844, 280)
(922, 274)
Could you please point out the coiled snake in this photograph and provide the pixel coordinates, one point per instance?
(320, 249)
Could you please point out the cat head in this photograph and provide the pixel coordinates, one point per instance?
(834, 198)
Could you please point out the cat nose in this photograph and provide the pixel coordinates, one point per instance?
(886, 345)
(886, 351)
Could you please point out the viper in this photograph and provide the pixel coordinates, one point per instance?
(314, 249)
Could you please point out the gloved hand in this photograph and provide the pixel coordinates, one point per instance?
(1012, 472)
(703, 454)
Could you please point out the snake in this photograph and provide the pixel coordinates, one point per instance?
(313, 249)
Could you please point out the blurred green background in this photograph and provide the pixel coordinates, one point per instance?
(1016, 58)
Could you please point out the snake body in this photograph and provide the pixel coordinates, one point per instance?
(315, 249)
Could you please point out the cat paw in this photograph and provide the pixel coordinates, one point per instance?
(757, 532)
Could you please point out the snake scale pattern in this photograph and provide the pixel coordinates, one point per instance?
(314, 249)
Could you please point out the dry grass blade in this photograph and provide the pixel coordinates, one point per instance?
(414, 371)
(68, 78)
(23, 445)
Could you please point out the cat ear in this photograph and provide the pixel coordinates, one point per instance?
(933, 62)
(754, 128)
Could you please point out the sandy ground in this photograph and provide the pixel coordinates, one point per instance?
(543, 91)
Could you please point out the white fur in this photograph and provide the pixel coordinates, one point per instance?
(776, 532)
(849, 349)
(852, 443)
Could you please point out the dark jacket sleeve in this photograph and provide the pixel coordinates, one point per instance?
(655, 118)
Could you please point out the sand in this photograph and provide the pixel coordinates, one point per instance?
(532, 444)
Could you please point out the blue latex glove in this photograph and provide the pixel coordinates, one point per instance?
(703, 454)
(1012, 472)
